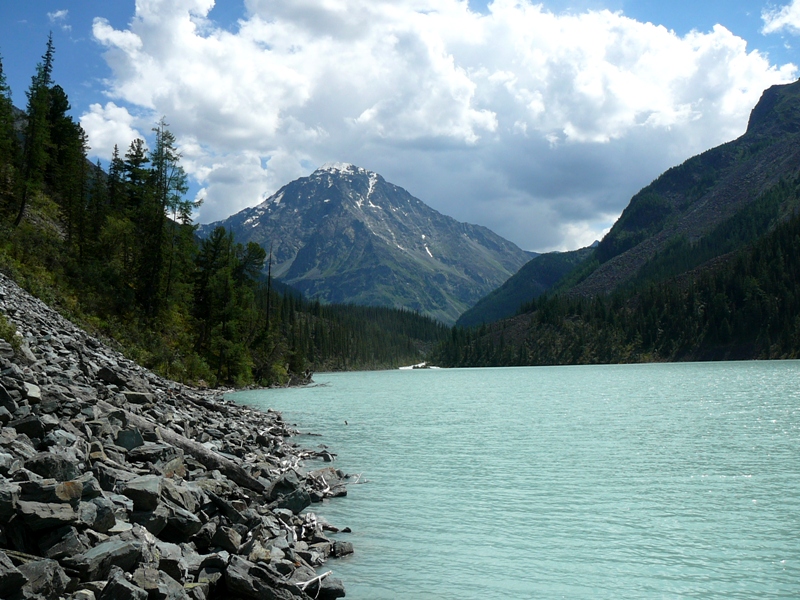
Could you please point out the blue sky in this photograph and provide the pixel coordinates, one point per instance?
(539, 122)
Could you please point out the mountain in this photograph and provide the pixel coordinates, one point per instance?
(536, 277)
(689, 201)
(344, 234)
(703, 264)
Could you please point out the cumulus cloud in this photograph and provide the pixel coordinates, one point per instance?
(108, 126)
(786, 17)
(538, 125)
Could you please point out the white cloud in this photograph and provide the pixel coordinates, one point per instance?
(538, 125)
(108, 126)
(60, 17)
(786, 17)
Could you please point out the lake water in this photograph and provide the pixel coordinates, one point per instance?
(635, 481)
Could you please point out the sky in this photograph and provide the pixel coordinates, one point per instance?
(537, 120)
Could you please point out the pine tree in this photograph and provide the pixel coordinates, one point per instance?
(9, 147)
(37, 131)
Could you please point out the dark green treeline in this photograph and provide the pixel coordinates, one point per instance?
(117, 252)
(732, 295)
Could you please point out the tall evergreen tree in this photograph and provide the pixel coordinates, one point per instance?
(9, 146)
(37, 130)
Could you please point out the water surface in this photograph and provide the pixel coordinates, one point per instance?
(635, 481)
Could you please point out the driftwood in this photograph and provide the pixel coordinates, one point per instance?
(317, 579)
(209, 459)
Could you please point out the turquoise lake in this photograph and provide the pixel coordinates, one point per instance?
(631, 481)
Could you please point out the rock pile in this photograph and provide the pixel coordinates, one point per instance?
(117, 484)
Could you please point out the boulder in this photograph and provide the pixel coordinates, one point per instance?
(257, 583)
(33, 393)
(31, 425)
(129, 438)
(159, 585)
(138, 397)
(341, 548)
(296, 501)
(96, 563)
(109, 476)
(43, 515)
(46, 579)
(145, 491)
(61, 543)
(227, 539)
(119, 588)
(181, 524)
(52, 466)
(9, 497)
(330, 589)
(97, 514)
(154, 520)
(153, 452)
(171, 561)
(11, 578)
(107, 375)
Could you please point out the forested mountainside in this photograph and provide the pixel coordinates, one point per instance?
(535, 278)
(701, 265)
(345, 234)
(117, 252)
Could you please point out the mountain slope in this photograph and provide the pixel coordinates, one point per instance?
(703, 264)
(691, 200)
(536, 277)
(344, 234)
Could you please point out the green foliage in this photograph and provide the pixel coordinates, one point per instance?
(535, 278)
(8, 332)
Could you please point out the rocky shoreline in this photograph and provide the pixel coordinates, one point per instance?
(118, 484)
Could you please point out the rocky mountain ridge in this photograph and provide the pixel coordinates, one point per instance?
(344, 234)
(690, 200)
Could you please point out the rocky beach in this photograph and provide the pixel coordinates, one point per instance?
(118, 484)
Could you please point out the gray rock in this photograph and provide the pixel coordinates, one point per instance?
(171, 561)
(43, 515)
(52, 466)
(129, 438)
(154, 520)
(257, 583)
(341, 548)
(61, 543)
(158, 585)
(145, 491)
(112, 377)
(11, 578)
(227, 539)
(96, 563)
(181, 524)
(153, 453)
(30, 425)
(296, 501)
(109, 476)
(330, 589)
(138, 397)
(6, 400)
(9, 497)
(33, 393)
(283, 485)
(97, 514)
(46, 579)
(119, 588)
